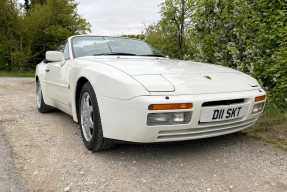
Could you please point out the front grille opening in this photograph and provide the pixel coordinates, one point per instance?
(223, 102)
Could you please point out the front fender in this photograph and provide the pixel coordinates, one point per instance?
(107, 82)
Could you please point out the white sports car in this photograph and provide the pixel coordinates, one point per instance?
(121, 89)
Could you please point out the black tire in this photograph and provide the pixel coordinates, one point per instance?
(41, 106)
(97, 142)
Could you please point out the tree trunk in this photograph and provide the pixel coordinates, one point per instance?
(181, 29)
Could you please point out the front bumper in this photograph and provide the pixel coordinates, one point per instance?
(126, 120)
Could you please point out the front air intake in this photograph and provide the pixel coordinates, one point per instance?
(222, 102)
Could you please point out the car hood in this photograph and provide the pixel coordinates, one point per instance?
(182, 77)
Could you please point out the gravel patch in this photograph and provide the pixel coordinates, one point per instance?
(50, 156)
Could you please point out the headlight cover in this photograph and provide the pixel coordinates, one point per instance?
(155, 83)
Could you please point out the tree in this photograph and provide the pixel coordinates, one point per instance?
(10, 35)
(45, 25)
(50, 24)
(175, 20)
(246, 35)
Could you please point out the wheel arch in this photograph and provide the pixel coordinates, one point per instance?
(80, 83)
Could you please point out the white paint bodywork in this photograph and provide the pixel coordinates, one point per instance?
(126, 85)
(54, 56)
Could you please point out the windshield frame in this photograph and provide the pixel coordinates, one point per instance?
(159, 54)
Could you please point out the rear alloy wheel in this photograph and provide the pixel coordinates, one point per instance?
(90, 121)
(41, 106)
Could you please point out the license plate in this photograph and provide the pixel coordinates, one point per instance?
(223, 113)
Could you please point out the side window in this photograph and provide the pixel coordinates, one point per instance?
(66, 52)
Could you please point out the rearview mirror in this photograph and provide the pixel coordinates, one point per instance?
(54, 56)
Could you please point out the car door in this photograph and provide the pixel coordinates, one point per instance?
(57, 81)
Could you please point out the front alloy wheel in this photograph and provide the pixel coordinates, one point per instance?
(87, 116)
(90, 120)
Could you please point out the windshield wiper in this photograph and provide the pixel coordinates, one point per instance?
(115, 53)
(152, 55)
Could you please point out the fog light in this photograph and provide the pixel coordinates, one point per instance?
(178, 117)
(169, 118)
(257, 108)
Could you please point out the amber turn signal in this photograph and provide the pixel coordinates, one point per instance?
(170, 106)
(260, 98)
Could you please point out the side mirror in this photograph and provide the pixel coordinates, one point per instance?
(54, 56)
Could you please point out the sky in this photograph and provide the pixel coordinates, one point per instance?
(117, 17)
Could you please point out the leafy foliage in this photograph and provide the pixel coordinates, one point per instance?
(9, 21)
(26, 34)
(169, 34)
(247, 35)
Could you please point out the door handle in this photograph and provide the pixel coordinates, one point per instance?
(47, 70)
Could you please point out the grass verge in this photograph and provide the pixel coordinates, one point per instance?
(271, 128)
(16, 74)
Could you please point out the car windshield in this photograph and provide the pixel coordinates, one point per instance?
(97, 46)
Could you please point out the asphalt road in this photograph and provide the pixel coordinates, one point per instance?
(44, 152)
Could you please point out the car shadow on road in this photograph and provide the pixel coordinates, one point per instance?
(220, 145)
(201, 147)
